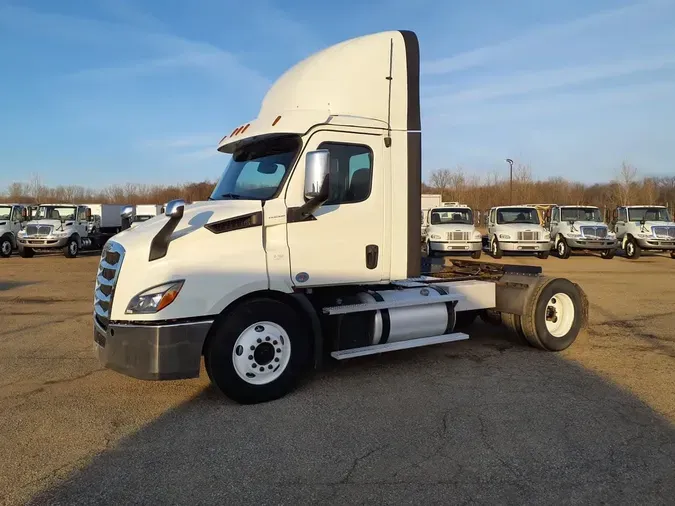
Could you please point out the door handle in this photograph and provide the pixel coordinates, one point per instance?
(372, 254)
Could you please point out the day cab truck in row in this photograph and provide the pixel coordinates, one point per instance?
(308, 247)
(580, 228)
(69, 227)
(449, 228)
(517, 229)
(649, 228)
(12, 218)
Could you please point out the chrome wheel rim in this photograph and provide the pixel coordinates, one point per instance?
(560, 314)
(261, 353)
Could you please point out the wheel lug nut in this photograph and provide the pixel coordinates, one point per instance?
(267, 338)
(276, 360)
(252, 348)
(278, 350)
(274, 343)
(250, 357)
(269, 367)
(259, 340)
(254, 366)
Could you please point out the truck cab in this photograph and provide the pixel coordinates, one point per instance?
(12, 218)
(580, 228)
(517, 229)
(55, 226)
(450, 228)
(644, 227)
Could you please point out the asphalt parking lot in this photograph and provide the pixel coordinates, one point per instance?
(486, 420)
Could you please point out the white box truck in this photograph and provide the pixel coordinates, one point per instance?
(309, 245)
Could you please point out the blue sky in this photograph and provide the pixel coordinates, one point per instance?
(97, 92)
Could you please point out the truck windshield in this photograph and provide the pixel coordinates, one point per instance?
(648, 214)
(517, 215)
(255, 172)
(56, 213)
(5, 212)
(445, 216)
(580, 214)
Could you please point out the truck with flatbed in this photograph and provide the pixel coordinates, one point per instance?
(580, 228)
(516, 228)
(449, 228)
(12, 218)
(308, 248)
(69, 227)
(644, 227)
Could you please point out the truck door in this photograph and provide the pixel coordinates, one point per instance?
(555, 222)
(621, 222)
(81, 223)
(491, 223)
(15, 221)
(344, 241)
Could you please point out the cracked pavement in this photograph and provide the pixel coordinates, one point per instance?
(486, 420)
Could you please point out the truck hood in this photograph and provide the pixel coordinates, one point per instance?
(55, 223)
(578, 224)
(534, 227)
(650, 224)
(194, 218)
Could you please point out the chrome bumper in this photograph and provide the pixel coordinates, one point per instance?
(663, 244)
(455, 246)
(152, 352)
(30, 242)
(581, 243)
(525, 246)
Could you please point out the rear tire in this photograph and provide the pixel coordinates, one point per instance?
(258, 351)
(476, 254)
(26, 252)
(5, 247)
(555, 314)
(543, 255)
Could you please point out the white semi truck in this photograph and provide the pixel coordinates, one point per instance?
(12, 217)
(580, 228)
(449, 228)
(517, 229)
(309, 245)
(644, 227)
(69, 227)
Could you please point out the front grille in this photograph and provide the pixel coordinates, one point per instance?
(458, 236)
(598, 232)
(106, 279)
(664, 231)
(528, 236)
(38, 229)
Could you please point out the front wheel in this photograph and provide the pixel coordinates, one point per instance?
(5, 247)
(633, 249)
(672, 254)
(607, 254)
(72, 249)
(495, 250)
(562, 248)
(476, 254)
(26, 252)
(543, 255)
(258, 352)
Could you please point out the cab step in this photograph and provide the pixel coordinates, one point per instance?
(400, 345)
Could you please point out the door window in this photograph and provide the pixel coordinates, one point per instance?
(351, 172)
(623, 214)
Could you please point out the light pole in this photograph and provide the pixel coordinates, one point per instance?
(511, 177)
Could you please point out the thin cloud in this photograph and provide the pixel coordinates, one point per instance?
(541, 36)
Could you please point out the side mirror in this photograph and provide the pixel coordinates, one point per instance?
(175, 208)
(317, 169)
(87, 213)
(127, 211)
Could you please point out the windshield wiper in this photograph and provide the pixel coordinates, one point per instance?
(233, 196)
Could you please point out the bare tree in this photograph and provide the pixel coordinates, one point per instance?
(625, 183)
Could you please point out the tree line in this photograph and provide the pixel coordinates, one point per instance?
(481, 193)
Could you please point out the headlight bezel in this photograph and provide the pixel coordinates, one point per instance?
(152, 300)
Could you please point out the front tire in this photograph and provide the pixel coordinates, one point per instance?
(633, 250)
(71, 249)
(607, 254)
(5, 247)
(543, 255)
(476, 254)
(562, 249)
(495, 250)
(672, 254)
(26, 252)
(258, 351)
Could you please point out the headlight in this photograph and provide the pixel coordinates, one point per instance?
(435, 236)
(572, 235)
(547, 235)
(21, 233)
(61, 234)
(477, 235)
(154, 299)
(644, 235)
(504, 236)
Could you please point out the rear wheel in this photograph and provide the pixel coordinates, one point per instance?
(633, 249)
(554, 315)
(543, 255)
(607, 254)
(258, 352)
(26, 252)
(5, 247)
